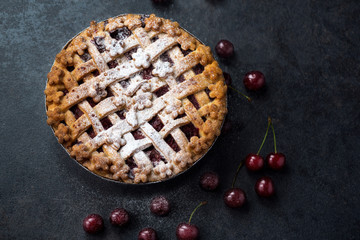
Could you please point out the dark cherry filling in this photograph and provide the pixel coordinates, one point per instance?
(70, 68)
(121, 114)
(120, 33)
(193, 100)
(161, 91)
(198, 69)
(156, 123)
(125, 83)
(137, 134)
(109, 93)
(76, 111)
(154, 39)
(181, 116)
(184, 52)
(190, 130)
(129, 53)
(131, 163)
(112, 64)
(65, 91)
(99, 43)
(166, 58)
(208, 93)
(147, 73)
(91, 102)
(106, 123)
(86, 56)
(96, 73)
(180, 79)
(91, 132)
(142, 19)
(172, 143)
(154, 155)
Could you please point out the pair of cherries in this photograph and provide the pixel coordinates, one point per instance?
(94, 223)
(253, 80)
(185, 231)
(234, 197)
(276, 161)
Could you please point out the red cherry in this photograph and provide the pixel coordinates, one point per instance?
(93, 223)
(209, 181)
(160, 206)
(119, 217)
(186, 231)
(234, 197)
(264, 187)
(254, 80)
(147, 234)
(224, 48)
(254, 162)
(276, 161)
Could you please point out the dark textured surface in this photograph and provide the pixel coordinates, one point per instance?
(309, 53)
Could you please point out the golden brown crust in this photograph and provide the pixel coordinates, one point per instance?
(63, 134)
(186, 41)
(75, 119)
(133, 22)
(153, 23)
(55, 116)
(53, 95)
(80, 152)
(99, 161)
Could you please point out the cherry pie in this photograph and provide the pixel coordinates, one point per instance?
(136, 98)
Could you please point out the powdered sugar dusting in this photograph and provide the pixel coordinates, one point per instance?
(115, 47)
(131, 117)
(136, 83)
(161, 69)
(143, 100)
(141, 59)
(119, 101)
(97, 91)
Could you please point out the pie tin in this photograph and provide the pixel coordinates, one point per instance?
(146, 183)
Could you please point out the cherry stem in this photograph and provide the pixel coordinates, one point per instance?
(272, 126)
(200, 204)
(248, 98)
(267, 131)
(237, 172)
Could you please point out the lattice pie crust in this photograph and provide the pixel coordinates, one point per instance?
(136, 98)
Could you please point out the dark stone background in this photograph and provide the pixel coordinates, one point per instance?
(309, 52)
